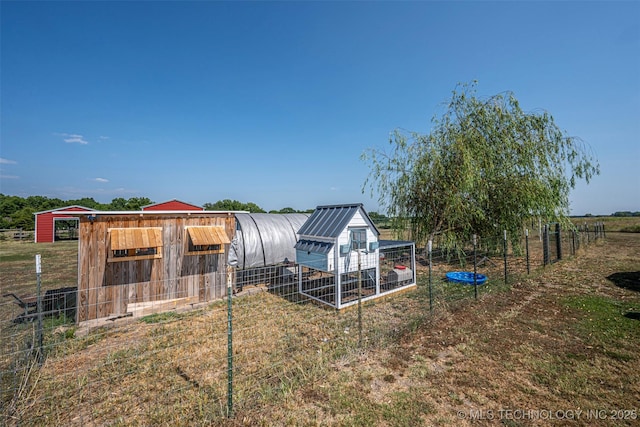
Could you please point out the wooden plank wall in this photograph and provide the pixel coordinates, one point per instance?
(106, 288)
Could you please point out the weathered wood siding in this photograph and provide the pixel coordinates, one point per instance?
(106, 288)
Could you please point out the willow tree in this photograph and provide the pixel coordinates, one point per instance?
(486, 166)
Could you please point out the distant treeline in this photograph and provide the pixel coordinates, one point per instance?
(18, 212)
(623, 214)
(626, 214)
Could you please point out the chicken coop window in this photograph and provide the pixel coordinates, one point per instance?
(206, 240)
(358, 238)
(128, 244)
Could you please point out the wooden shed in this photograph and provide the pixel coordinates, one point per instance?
(137, 263)
(172, 205)
(46, 221)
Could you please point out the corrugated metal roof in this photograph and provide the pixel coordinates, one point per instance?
(314, 246)
(329, 221)
(172, 205)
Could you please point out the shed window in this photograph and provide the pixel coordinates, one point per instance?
(206, 240)
(358, 238)
(129, 244)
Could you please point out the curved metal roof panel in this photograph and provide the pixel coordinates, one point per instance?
(263, 239)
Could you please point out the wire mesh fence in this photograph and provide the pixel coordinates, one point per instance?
(203, 363)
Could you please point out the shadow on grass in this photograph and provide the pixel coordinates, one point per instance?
(627, 280)
(635, 315)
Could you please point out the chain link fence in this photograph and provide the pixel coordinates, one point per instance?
(222, 361)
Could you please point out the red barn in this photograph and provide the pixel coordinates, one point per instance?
(46, 222)
(172, 205)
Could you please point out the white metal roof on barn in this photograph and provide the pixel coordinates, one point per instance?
(62, 210)
(263, 239)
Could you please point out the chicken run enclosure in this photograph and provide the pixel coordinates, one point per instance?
(342, 259)
(333, 256)
(135, 263)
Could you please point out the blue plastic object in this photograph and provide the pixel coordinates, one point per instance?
(466, 277)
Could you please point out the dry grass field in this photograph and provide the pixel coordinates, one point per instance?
(560, 346)
(613, 224)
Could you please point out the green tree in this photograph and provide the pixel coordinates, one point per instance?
(10, 204)
(380, 220)
(224, 205)
(87, 202)
(485, 167)
(23, 219)
(41, 203)
(286, 210)
(233, 205)
(118, 204)
(625, 214)
(375, 216)
(253, 208)
(136, 203)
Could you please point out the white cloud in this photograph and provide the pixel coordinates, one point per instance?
(7, 161)
(73, 138)
(101, 180)
(9, 176)
(104, 138)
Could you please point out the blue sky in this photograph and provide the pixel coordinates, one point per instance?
(274, 102)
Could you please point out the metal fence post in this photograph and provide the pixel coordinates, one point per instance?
(475, 267)
(39, 337)
(545, 245)
(586, 229)
(359, 301)
(526, 241)
(580, 237)
(229, 346)
(430, 249)
(558, 241)
(505, 257)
